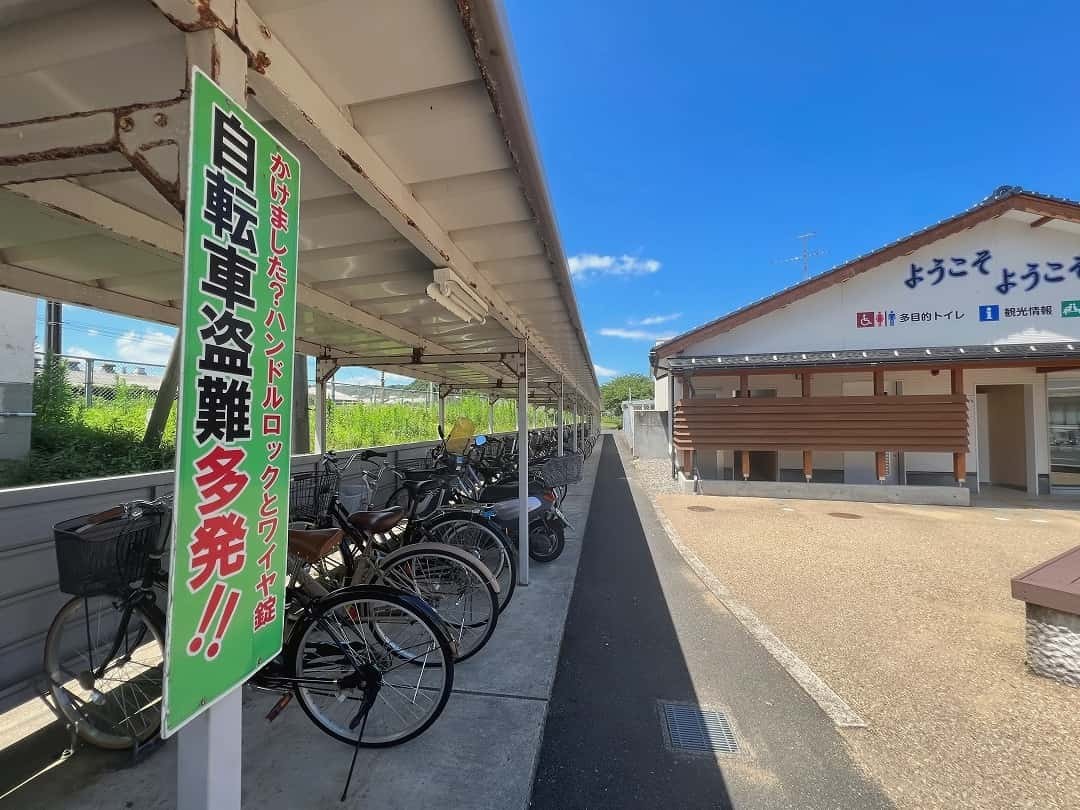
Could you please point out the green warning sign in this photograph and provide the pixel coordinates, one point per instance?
(227, 576)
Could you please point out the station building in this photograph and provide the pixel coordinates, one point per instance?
(950, 358)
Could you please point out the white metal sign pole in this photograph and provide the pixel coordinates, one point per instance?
(523, 466)
(562, 410)
(208, 757)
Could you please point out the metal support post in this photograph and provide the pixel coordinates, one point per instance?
(301, 437)
(523, 468)
(561, 419)
(324, 373)
(320, 415)
(444, 392)
(577, 428)
(491, 414)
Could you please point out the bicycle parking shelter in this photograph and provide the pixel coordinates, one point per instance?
(428, 243)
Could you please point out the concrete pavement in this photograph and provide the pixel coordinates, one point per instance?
(480, 753)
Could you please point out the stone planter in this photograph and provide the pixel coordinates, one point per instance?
(1053, 644)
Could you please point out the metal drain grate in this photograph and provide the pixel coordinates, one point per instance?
(691, 728)
(701, 509)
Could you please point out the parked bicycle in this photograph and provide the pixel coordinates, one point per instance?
(370, 665)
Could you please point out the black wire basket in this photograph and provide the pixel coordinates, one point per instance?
(310, 495)
(96, 558)
(561, 471)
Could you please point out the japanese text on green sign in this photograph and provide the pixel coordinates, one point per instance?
(227, 578)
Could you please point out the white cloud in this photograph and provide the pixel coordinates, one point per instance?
(604, 371)
(92, 332)
(586, 264)
(653, 320)
(635, 334)
(148, 347)
(79, 351)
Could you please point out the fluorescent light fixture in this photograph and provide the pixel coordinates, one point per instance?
(452, 293)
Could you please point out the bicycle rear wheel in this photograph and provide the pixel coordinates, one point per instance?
(492, 548)
(457, 586)
(375, 658)
(105, 666)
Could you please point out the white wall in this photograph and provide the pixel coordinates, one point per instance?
(828, 320)
(660, 394)
(17, 316)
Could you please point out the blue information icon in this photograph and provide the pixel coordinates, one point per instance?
(989, 312)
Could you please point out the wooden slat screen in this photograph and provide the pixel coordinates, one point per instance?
(933, 423)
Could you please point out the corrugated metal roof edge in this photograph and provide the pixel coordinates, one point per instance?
(844, 357)
(999, 194)
(486, 24)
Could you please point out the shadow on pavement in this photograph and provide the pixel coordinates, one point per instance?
(603, 744)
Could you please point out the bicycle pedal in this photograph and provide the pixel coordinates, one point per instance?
(279, 707)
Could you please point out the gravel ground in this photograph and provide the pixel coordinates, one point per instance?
(905, 612)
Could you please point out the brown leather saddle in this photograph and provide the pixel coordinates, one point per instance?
(378, 521)
(311, 545)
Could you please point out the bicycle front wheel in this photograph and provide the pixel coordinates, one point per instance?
(371, 659)
(105, 663)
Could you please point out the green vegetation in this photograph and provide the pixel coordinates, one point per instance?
(626, 386)
(71, 441)
(364, 425)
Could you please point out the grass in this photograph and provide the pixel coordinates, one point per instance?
(71, 441)
(374, 425)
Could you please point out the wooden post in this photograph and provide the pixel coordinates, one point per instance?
(744, 391)
(959, 459)
(807, 455)
(879, 456)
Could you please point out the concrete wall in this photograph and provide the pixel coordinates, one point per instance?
(17, 316)
(650, 434)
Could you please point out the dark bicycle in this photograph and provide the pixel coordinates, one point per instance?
(370, 665)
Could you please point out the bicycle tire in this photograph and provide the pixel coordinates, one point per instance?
(458, 587)
(505, 571)
(416, 614)
(98, 713)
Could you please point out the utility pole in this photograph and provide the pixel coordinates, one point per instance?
(54, 327)
(806, 254)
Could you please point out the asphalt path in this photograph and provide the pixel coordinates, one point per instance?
(642, 628)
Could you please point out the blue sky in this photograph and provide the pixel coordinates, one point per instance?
(687, 145)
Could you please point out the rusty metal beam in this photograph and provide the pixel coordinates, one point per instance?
(145, 137)
(288, 92)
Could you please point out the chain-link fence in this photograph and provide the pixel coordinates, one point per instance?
(97, 380)
(341, 393)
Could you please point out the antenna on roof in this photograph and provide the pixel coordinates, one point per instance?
(807, 254)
